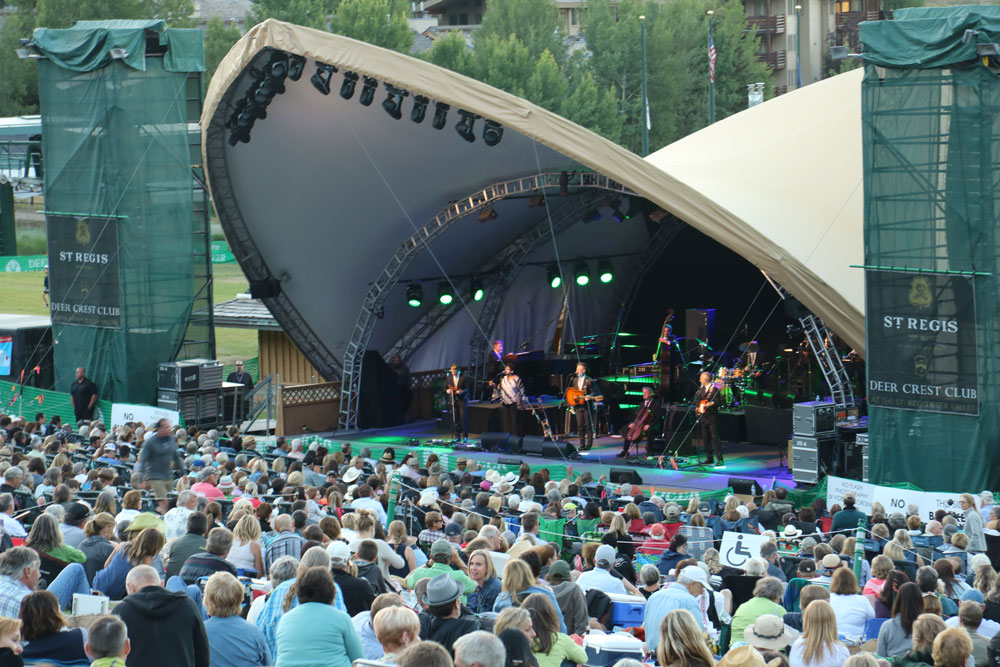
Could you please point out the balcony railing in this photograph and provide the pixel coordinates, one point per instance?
(850, 20)
(780, 90)
(773, 59)
(774, 25)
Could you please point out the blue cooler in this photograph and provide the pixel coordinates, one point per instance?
(604, 650)
(627, 610)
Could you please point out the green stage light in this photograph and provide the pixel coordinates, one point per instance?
(445, 295)
(414, 295)
(554, 278)
(476, 287)
(605, 271)
(582, 274)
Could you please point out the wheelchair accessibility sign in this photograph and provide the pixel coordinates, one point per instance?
(738, 548)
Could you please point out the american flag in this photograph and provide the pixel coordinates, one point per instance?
(711, 57)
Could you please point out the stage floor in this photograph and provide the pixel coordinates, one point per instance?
(763, 463)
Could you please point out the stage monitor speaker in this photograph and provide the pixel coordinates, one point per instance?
(624, 476)
(504, 461)
(558, 449)
(533, 445)
(746, 487)
(493, 442)
(380, 403)
(699, 325)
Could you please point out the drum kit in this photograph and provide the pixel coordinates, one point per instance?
(734, 381)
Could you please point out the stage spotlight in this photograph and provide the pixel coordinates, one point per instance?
(466, 126)
(347, 88)
(445, 294)
(581, 273)
(368, 87)
(393, 102)
(476, 288)
(296, 65)
(555, 280)
(605, 272)
(440, 115)
(414, 295)
(419, 108)
(487, 214)
(321, 79)
(492, 132)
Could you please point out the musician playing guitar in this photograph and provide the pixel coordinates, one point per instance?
(639, 427)
(511, 398)
(706, 403)
(582, 414)
(457, 388)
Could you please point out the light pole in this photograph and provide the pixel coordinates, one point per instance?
(798, 46)
(645, 100)
(711, 71)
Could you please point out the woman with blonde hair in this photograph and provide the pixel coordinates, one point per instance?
(515, 618)
(633, 518)
(46, 538)
(518, 583)
(387, 556)
(682, 641)
(98, 543)
(882, 565)
(952, 647)
(395, 628)
(401, 544)
(488, 585)
(620, 529)
(131, 506)
(818, 646)
(246, 554)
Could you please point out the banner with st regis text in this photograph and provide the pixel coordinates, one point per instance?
(922, 345)
(84, 283)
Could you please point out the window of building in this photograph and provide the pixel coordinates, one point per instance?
(463, 19)
(574, 16)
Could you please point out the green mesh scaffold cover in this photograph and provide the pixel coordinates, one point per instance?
(118, 197)
(931, 135)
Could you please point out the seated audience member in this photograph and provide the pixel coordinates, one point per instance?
(285, 543)
(767, 594)
(952, 648)
(518, 649)
(330, 640)
(681, 641)
(970, 615)
(925, 629)
(682, 594)
(210, 561)
(366, 631)
(482, 572)
(818, 646)
(927, 579)
(108, 643)
(143, 548)
(807, 595)
(570, 597)
(97, 544)
(895, 635)
(424, 654)
(395, 628)
(42, 628)
(518, 583)
(20, 572)
(358, 593)
(442, 555)
(600, 577)
(986, 627)
(882, 565)
(193, 542)
(550, 647)
(233, 641)
(850, 607)
(46, 538)
(441, 621)
(480, 649)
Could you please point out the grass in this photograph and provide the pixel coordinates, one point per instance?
(22, 294)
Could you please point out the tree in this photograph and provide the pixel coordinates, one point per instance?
(502, 62)
(19, 77)
(219, 39)
(737, 64)
(546, 86)
(450, 52)
(310, 13)
(596, 109)
(64, 13)
(535, 23)
(379, 22)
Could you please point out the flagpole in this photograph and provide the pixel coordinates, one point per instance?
(711, 78)
(645, 99)
(798, 46)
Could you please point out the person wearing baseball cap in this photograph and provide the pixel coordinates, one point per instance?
(358, 592)
(442, 555)
(683, 594)
(600, 577)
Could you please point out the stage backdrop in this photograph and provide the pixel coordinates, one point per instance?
(931, 158)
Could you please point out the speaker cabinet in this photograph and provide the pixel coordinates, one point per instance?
(494, 442)
(624, 476)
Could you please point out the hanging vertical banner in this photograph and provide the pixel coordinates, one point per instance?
(6, 352)
(922, 343)
(83, 271)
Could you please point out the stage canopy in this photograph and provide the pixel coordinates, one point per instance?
(335, 209)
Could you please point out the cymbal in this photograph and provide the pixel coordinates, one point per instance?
(749, 346)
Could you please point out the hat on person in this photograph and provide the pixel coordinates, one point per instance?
(197, 463)
(790, 532)
(504, 487)
(388, 455)
(974, 595)
(147, 520)
(249, 440)
(808, 543)
(461, 460)
(485, 485)
(770, 632)
(441, 546)
(435, 469)
(110, 447)
(695, 573)
(76, 513)
(226, 483)
(849, 495)
(492, 476)
(570, 507)
(657, 529)
(351, 490)
(441, 590)
(352, 475)
(510, 477)
(831, 562)
(559, 571)
(743, 656)
(453, 530)
(206, 473)
(428, 497)
(807, 565)
(467, 504)
(672, 511)
(605, 554)
(339, 552)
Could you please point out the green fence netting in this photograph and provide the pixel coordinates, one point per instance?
(115, 141)
(931, 158)
(29, 401)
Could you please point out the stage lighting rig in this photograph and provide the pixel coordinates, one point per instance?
(492, 132)
(393, 102)
(466, 126)
(555, 280)
(347, 88)
(296, 65)
(368, 86)
(445, 293)
(420, 103)
(604, 271)
(321, 78)
(476, 288)
(581, 273)
(414, 295)
(440, 115)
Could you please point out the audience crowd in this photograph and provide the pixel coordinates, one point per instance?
(210, 549)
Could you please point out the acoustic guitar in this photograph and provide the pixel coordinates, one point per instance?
(576, 397)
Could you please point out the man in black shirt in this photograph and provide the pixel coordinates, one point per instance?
(239, 376)
(358, 593)
(83, 394)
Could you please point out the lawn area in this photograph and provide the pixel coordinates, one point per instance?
(22, 293)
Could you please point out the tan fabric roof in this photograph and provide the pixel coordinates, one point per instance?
(780, 184)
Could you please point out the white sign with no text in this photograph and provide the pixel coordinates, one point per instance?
(738, 548)
(123, 413)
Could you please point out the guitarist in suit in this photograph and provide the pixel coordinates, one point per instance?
(640, 426)
(511, 398)
(582, 414)
(457, 389)
(706, 401)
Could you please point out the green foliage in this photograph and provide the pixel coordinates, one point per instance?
(596, 109)
(219, 39)
(19, 77)
(310, 13)
(450, 52)
(892, 5)
(737, 65)
(64, 13)
(379, 22)
(546, 86)
(535, 23)
(503, 62)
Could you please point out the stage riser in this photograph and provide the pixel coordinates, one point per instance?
(768, 426)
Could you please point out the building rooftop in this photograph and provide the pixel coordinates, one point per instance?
(245, 313)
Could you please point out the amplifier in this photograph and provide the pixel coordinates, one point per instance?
(862, 443)
(179, 376)
(813, 418)
(197, 408)
(210, 373)
(811, 458)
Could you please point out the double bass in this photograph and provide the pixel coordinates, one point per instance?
(635, 431)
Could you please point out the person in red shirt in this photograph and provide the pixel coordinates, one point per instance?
(206, 485)
(656, 544)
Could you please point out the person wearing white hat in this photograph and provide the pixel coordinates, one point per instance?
(600, 577)
(769, 632)
(683, 594)
(351, 475)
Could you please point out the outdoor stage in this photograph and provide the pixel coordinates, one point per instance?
(762, 463)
